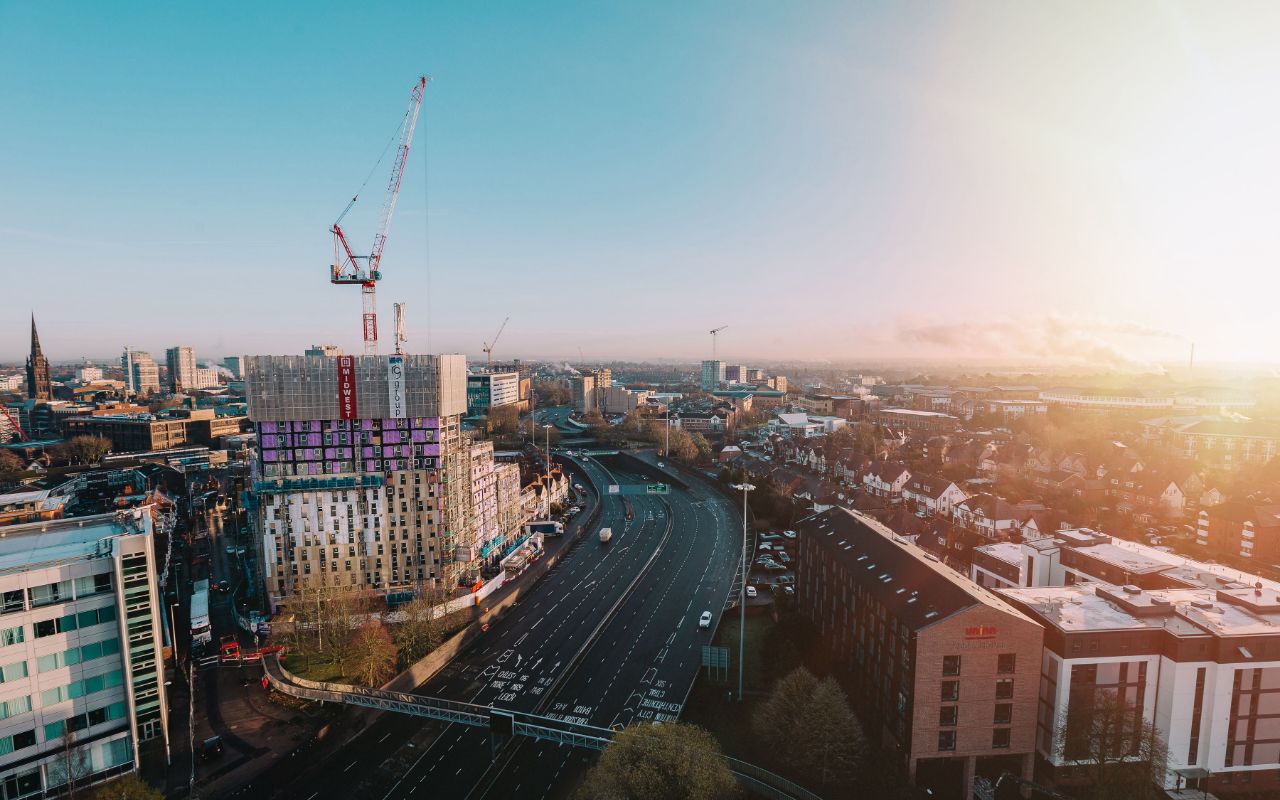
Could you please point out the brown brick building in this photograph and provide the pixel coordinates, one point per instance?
(947, 672)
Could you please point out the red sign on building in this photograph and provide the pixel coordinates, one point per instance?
(980, 632)
(346, 387)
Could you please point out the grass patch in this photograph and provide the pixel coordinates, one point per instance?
(314, 668)
(757, 629)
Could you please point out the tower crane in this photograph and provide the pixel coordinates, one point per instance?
(400, 337)
(714, 332)
(488, 346)
(347, 267)
(17, 429)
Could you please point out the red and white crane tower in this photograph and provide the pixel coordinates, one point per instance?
(347, 267)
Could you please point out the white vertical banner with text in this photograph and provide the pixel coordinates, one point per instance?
(395, 388)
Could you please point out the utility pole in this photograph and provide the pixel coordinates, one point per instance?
(548, 428)
(742, 590)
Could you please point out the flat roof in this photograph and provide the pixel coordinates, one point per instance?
(915, 412)
(52, 542)
(1008, 552)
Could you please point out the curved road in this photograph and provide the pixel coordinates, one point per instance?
(649, 647)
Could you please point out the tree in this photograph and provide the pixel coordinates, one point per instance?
(503, 421)
(807, 728)
(1121, 752)
(421, 631)
(371, 659)
(129, 787)
(10, 465)
(701, 446)
(674, 761)
(82, 450)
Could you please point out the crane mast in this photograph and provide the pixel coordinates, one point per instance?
(488, 346)
(714, 333)
(346, 267)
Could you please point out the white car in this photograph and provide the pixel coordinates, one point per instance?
(792, 534)
(751, 591)
(705, 620)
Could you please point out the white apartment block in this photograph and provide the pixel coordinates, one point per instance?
(80, 646)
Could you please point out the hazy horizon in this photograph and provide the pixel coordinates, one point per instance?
(1051, 183)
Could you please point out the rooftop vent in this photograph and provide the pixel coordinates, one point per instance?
(1131, 589)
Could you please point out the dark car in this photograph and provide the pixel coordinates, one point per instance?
(211, 748)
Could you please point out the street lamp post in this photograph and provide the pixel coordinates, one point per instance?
(742, 590)
(548, 428)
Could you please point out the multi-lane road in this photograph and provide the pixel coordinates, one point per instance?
(609, 637)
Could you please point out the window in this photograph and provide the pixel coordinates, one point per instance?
(1005, 663)
(948, 716)
(951, 665)
(950, 690)
(1004, 689)
(946, 740)
(10, 636)
(13, 601)
(1004, 713)
(12, 672)
(50, 593)
(18, 741)
(14, 707)
(1000, 738)
(93, 584)
(51, 627)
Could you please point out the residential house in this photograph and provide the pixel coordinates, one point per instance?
(886, 479)
(931, 495)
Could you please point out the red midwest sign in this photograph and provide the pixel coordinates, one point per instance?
(980, 632)
(346, 387)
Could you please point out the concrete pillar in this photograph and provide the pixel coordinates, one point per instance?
(970, 767)
(1028, 771)
(911, 770)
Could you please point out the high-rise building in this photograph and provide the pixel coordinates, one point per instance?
(363, 479)
(325, 350)
(39, 387)
(182, 368)
(141, 374)
(583, 388)
(712, 375)
(232, 363)
(486, 390)
(735, 373)
(81, 658)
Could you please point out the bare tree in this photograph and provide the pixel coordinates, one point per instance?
(1122, 752)
(371, 660)
(421, 631)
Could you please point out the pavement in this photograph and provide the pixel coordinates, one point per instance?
(673, 560)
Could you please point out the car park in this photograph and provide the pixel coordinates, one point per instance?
(705, 620)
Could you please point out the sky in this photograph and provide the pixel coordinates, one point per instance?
(1087, 183)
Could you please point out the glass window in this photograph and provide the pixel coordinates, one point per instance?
(13, 672)
(950, 690)
(1005, 663)
(1004, 689)
(951, 665)
(10, 636)
(53, 730)
(1004, 713)
(12, 601)
(948, 716)
(50, 593)
(53, 696)
(24, 739)
(1000, 738)
(45, 627)
(49, 663)
(946, 740)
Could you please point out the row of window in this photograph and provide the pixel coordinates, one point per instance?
(79, 722)
(1005, 664)
(1000, 739)
(951, 690)
(77, 655)
(77, 689)
(71, 622)
(16, 600)
(948, 716)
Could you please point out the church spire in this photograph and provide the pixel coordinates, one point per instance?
(35, 337)
(39, 387)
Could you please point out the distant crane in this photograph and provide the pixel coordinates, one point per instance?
(714, 333)
(488, 346)
(346, 268)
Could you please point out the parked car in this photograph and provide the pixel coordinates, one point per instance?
(786, 579)
(782, 555)
(751, 591)
(792, 534)
(774, 566)
(705, 620)
(211, 748)
(766, 546)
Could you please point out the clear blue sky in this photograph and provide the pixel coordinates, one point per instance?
(829, 179)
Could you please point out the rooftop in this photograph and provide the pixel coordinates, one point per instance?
(52, 542)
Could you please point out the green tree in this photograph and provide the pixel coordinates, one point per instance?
(371, 658)
(675, 761)
(807, 728)
(82, 450)
(503, 421)
(421, 631)
(129, 787)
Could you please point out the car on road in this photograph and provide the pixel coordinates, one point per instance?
(751, 591)
(224, 586)
(211, 748)
(575, 510)
(660, 464)
(231, 549)
(704, 621)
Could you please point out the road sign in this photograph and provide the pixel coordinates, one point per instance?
(657, 488)
(648, 488)
(716, 661)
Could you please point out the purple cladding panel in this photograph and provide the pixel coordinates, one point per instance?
(431, 449)
(366, 424)
(330, 453)
(418, 436)
(390, 437)
(388, 452)
(267, 427)
(366, 452)
(370, 465)
(314, 439)
(269, 455)
(268, 440)
(313, 468)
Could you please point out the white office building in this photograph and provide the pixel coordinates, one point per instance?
(80, 652)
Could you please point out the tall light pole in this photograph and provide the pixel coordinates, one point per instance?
(548, 428)
(742, 590)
